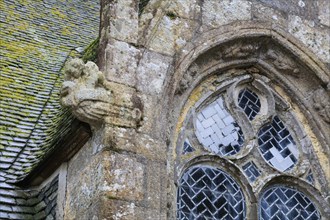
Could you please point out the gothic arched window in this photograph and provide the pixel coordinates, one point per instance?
(248, 126)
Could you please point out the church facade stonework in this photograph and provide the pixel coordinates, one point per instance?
(203, 110)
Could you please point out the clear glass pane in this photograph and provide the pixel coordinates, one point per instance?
(209, 193)
(217, 130)
(277, 145)
(286, 203)
(249, 102)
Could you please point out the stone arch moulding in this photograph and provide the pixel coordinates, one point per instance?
(220, 163)
(269, 50)
(294, 72)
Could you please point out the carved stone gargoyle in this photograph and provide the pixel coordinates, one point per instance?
(95, 101)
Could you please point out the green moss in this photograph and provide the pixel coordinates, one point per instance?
(57, 13)
(90, 53)
(66, 31)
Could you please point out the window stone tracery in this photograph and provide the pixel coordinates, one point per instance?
(243, 120)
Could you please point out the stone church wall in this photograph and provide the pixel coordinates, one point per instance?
(127, 171)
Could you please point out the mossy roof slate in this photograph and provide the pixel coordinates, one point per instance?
(36, 38)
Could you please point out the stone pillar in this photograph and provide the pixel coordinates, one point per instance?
(121, 172)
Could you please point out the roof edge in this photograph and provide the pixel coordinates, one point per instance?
(62, 152)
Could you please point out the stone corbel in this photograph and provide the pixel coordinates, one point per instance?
(96, 101)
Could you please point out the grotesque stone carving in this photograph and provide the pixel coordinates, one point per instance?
(240, 50)
(93, 101)
(187, 78)
(282, 62)
(322, 104)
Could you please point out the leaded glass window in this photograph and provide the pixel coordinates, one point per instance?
(277, 145)
(209, 193)
(218, 131)
(253, 132)
(283, 203)
(249, 102)
(251, 171)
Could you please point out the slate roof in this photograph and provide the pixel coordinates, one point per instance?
(36, 38)
(28, 204)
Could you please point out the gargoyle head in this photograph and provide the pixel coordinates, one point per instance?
(83, 86)
(90, 100)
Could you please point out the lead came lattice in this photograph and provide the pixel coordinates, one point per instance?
(282, 203)
(217, 130)
(209, 193)
(277, 145)
(249, 102)
(251, 171)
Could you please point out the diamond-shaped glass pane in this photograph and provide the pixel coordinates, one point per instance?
(277, 145)
(286, 203)
(209, 193)
(217, 130)
(249, 102)
(251, 171)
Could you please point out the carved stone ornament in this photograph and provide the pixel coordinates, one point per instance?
(282, 62)
(84, 90)
(322, 104)
(240, 50)
(187, 78)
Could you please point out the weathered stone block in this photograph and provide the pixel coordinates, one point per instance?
(260, 12)
(315, 39)
(124, 25)
(151, 72)
(188, 9)
(217, 13)
(303, 8)
(152, 122)
(121, 62)
(124, 177)
(117, 209)
(324, 12)
(169, 34)
(125, 139)
(156, 178)
(114, 175)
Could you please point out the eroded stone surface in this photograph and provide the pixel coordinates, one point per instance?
(315, 39)
(109, 174)
(133, 164)
(189, 9)
(124, 25)
(121, 62)
(169, 34)
(217, 13)
(261, 12)
(124, 177)
(304, 8)
(324, 12)
(151, 72)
